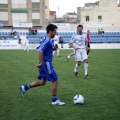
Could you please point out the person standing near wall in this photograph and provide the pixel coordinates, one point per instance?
(26, 45)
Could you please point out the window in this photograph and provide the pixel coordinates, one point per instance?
(99, 18)
(36, 11)
(35, 5)
(3, 1)
(3, 10)
(46, 16)
(3, 5)
(87, 18)
(45, 7)
(19, 3)
(118, 3)
(36, 21)
(4, 22)
(19, 17)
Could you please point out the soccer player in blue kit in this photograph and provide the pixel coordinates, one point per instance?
(46, 70)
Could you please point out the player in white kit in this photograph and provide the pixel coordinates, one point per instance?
(26, 45)
(56, 43)
(79, 43)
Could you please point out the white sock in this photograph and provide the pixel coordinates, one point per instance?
(58, 52)
(76, 68)
(86, 68)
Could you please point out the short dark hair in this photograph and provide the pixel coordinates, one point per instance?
(51, 27)
(80, 26)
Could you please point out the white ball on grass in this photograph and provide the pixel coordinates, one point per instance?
(78, 99)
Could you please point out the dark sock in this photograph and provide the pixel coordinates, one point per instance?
(27, 86)
(54, 98)
(88, 52)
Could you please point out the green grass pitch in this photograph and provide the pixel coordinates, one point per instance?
(101, 92)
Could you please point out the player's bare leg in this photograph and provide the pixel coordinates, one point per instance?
(69, 56)
(24, 88)
(76, 68)
(55, 100)
(54, 87)
(58, 52)
(37, 83)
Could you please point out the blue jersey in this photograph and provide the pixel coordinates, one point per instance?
(47, 71)
(46, 47)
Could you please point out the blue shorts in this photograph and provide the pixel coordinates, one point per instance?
(47, 72)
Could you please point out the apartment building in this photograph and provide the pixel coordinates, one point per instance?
(25, 11)
(103, 13)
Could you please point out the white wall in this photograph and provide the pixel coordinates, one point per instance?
(4, 16)
(105, 46)
(98, 46)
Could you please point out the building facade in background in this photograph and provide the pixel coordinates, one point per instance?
(66, 18)
(70, 17)
(104, 13)
(27, 11)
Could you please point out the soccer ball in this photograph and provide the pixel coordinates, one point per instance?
(78, 99)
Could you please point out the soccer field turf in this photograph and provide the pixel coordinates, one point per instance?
(101, 91)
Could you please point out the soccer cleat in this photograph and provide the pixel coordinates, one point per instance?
(22, 90)
(76, 74)
(58, 102)
(86, 77)
(67, 59)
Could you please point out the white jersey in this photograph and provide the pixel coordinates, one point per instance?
(79, 40)
(56, 39)
(27, 42)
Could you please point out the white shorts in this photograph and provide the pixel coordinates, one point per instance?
(81, 54)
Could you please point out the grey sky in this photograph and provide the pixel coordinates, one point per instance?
(67, 5)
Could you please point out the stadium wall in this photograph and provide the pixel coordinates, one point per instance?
(93, 46)
(13, 44)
